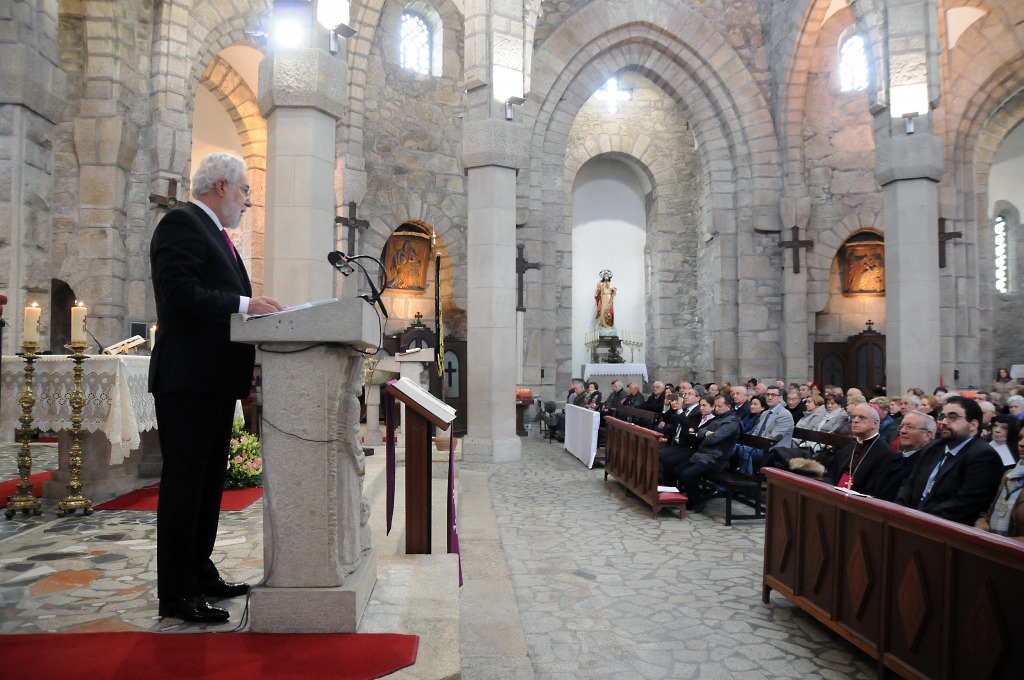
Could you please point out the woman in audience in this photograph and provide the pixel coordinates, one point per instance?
(836, 418)
(931, 406)
(1005, 516)
(795, 405)
(594, 400)
(1005, 434)
(815, 413)
(757, 407)
(888, 428)
(1002, 381)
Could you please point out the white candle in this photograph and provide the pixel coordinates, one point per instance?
(32, 323)
(78, 323)
(152, 337)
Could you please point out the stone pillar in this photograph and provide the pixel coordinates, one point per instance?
(909, 169)
(33, 92)
(302, 95)
(492, 150)
(795, 339)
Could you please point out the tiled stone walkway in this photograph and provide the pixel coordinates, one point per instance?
(602, 589)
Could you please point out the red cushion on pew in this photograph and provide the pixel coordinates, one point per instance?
(671, 497)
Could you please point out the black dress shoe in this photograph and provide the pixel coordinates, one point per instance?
(193, 609)
(221, 588)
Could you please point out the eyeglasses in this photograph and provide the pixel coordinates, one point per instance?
(773, 395)
(951, 417)
(860, 417)
(246, 189)
(910, 428)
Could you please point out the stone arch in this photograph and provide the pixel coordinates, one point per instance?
(231, 90)
(978, 114)
(729, 118)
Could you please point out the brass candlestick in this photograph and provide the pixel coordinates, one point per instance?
(24, 500)
(75, 500)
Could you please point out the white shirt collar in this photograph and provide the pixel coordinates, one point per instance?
(209, 211)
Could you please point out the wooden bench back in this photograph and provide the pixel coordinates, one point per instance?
(755, 442)
(624, 412)
(631, 456)
(831, 439)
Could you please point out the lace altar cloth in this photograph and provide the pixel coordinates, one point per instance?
(117, 401)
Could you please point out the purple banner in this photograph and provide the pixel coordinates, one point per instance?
(389, 449)
(453, 529)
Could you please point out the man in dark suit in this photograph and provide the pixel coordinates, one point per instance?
(955, 477)
(716, 442)
(196, 374)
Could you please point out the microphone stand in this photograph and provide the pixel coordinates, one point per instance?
(374, 298)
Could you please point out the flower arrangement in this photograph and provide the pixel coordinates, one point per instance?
(245, 463)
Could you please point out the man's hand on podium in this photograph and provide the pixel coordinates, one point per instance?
(264, 305)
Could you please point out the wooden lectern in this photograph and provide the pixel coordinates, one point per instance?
(422, 410)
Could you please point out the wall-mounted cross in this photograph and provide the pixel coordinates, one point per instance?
(871, 326)
(796, 244)
(943, 237)
(170, 201)
(419, 318)
(521, 267)
(353, 223)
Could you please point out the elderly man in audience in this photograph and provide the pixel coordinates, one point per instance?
(656, 402)
(917, 430)
(615, 398)
(956, 476)
(740, 401)
(1005, 515)
(681, 444)
(795, 405)
(858, 466)
(634, 397)
(716, 442)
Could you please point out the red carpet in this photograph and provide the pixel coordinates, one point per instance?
(10, 487)
(210, 656)
(146, 497)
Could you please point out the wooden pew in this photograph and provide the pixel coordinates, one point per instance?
(825, 439)
(637, 416)
(747, 489)
(925, 597)
(631, 457)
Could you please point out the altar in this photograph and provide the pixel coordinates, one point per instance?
(120, 443)
(605, 374)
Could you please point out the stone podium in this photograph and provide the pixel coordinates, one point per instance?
(319, 566)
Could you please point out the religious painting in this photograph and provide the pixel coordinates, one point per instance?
(407, 260)
(863, 268)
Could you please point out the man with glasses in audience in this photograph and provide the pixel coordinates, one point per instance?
(916, 431)
(957, 475)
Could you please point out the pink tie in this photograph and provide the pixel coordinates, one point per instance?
(231, 243)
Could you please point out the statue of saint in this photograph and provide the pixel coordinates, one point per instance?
(604, 296)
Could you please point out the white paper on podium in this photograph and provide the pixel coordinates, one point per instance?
(304, 305)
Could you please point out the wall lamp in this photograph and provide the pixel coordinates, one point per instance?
(510, 102)
(340, 31)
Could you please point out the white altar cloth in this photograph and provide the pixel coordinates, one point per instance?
(581, 433)
(117, 400)
(614, 369)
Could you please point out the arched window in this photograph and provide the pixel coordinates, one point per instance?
(1001, 255)
(853, 63)
(417, 43)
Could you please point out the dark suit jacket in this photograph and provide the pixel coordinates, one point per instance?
(962, 490)
(715, 448)
(870, 469)
(197, 281)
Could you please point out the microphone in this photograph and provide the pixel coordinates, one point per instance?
(99, 346)
(340, 262)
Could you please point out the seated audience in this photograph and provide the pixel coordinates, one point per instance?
(836, 418)
(917, 430)
(656, 401)
(858, 466)
(1005, 433)
(634, 397)
(594, 398)
(1005, 515)
(775, 421)
(680, 447)
(795, 405)
(616, 397)
(717, 440)
(931, 405)
(956, 476)
(757, 406)
(1003, 381)
(740, 400)
(815, 413)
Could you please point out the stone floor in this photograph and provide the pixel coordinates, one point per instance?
(565, 577)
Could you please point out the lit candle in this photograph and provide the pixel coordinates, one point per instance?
(32, 323)
(78, 322)
(152, 337)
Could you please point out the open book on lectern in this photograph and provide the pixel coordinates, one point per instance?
(426, 400)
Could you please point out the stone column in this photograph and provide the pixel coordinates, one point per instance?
(33, 91)
(909, 169)
(492, 149)
(795, 337)
(302, 95)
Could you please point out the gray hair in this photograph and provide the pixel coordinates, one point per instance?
(1015, 400)
(914, 399)
(929, 422)
(215, 167)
